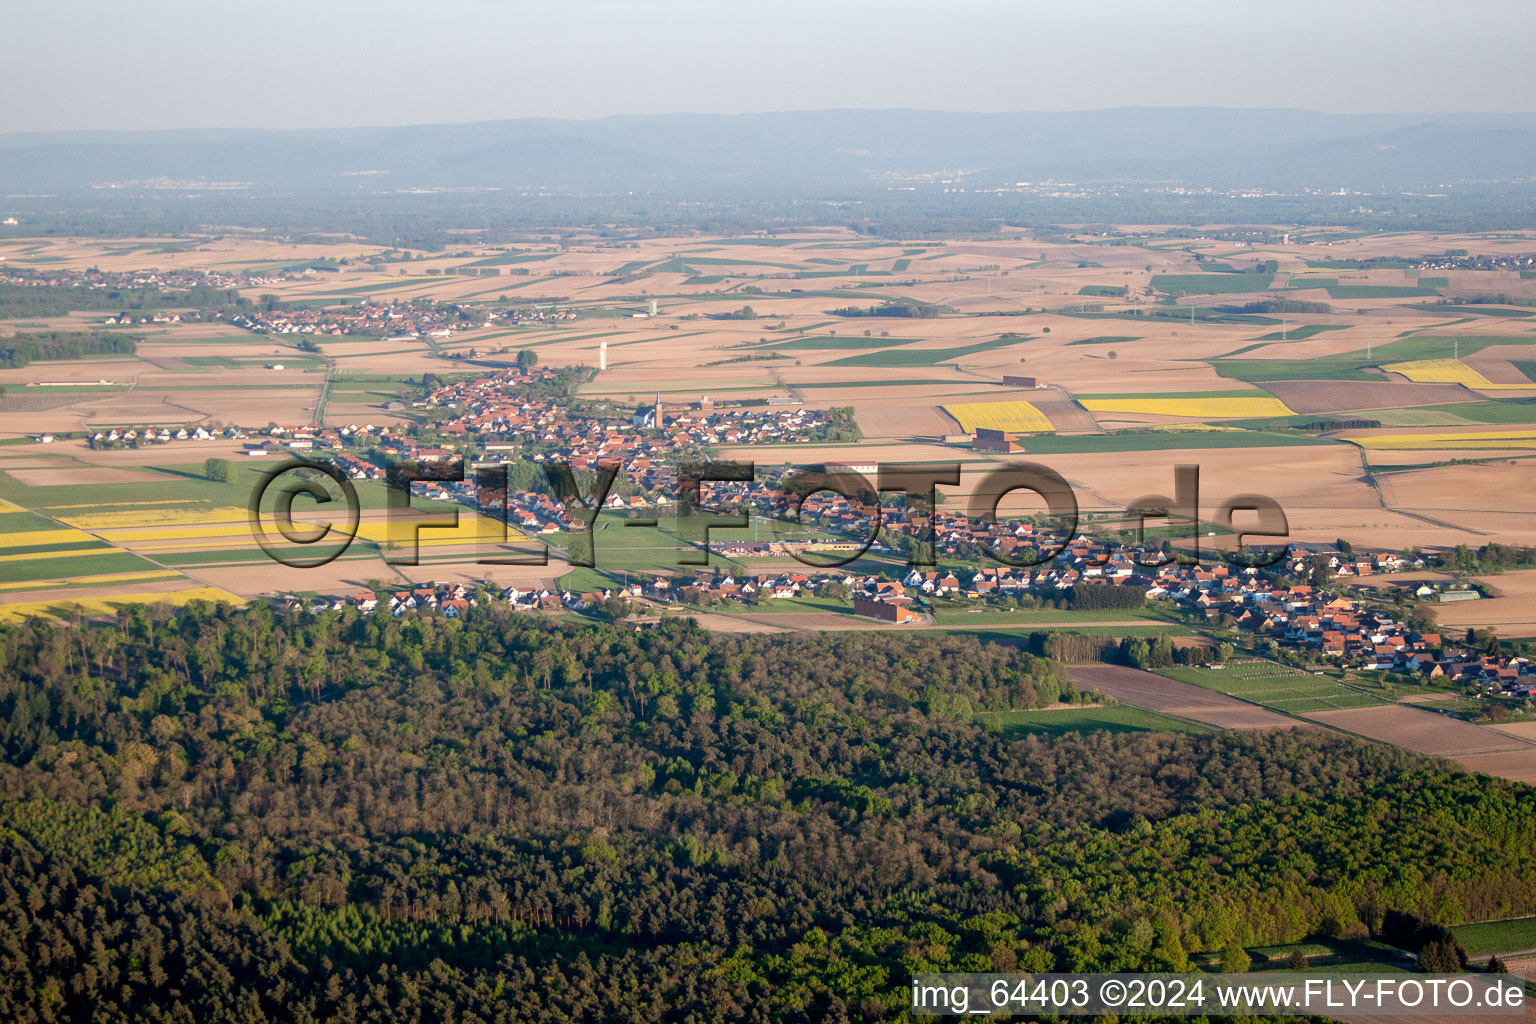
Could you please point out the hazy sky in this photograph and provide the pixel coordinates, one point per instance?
(135, 64)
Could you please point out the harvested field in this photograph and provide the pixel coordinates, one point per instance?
(901, 419)
(1424, 731)
(1519, 730)
(1512, 612)
(1503, 486)
(1348, 397)
(78, 475)
(1184, 700)
(1519, 765)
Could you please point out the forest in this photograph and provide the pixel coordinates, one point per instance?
(22, 349)
(212, 814)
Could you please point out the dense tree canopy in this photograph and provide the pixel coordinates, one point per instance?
(220, 815)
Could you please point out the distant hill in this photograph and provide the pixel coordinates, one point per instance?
(856, 151)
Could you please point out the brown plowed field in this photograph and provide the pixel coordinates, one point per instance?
(1423, 731)
(1065, 414)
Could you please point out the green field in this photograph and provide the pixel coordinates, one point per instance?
(1498, 936)
(110, 561)
(1360, 365)
(927, 357)
(1494, 410)
(25, 522)
(1211, 284)
(1259, 370)
(1275, 686)
(1105, 339)
(1429, 416)
(15, 550)
(1058, 722)
(1434, 346)
(1303, 332)
(1480, 309)
(184, 483)
(1377, 291)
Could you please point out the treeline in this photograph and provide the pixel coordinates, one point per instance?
(22, 349)
(1337, 423)
(904, 309)
(260, 816)
(1494, 556)
(58, 300)
(1106, 597)
(1137, 652)
(1284, 306)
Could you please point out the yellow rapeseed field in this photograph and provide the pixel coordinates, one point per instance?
(471, 529)
(205, 532)
(29, 538)
(1449, 371)
(1522, 438)
(116, 577)
(97, 504)
(28, 556)
(1193, 407)
(156, 517)
(92, 606)
(1014, 417)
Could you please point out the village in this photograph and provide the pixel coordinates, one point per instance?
(522, 419)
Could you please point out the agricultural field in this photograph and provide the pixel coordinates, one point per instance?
(1475, 747)
(1170, 696)
(1497, 936)
(1448, 371)
(1013, 417)
(1067, 719)
(1193, 407)
(1511, 610)
(915, 338)
(1276, 686)
(1482, 440)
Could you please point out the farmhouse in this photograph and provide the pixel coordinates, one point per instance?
(885, 608)
(988, 440)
